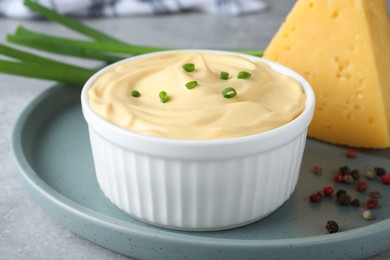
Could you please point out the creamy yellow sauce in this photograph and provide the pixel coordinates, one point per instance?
(264, 101)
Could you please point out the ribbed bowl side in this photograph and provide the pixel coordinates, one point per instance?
(197, 195)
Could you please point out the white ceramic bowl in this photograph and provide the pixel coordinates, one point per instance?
(198, 185)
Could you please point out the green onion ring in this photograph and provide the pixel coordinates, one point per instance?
(229, 93)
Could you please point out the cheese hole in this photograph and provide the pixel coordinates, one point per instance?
(335, 14)
(311, 5)
(370, 120)
(358, 94)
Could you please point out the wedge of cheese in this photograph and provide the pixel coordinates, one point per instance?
(342, 47)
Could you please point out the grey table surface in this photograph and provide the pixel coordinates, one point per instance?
(26, 232)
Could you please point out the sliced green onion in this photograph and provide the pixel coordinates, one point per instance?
(164, 96)
(229, 93)
(135, 93)
(224, 75)
(189, 67)
(192, 84)
(244, 75)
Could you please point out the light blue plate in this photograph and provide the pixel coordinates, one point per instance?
(51, 149)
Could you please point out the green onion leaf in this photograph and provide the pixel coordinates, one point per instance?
(45, 71)
(164, 96)
(224, 75)
(135, 93)
(192, 84)
(70, 23)
(244, 75)
(229, 93)
(103, 47)
(189, 67)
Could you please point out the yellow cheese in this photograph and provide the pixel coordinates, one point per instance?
(342, 47)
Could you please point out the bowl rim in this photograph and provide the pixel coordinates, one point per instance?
(301, 121)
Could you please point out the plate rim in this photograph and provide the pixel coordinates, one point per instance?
(32, 179)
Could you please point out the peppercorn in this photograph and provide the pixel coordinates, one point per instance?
(355, 174)
(355, 203)
(372, 203)
(340, 192)
(370, 175)
(379, 171)
(315, 197)
(348, 178)
(332, 226)
(344, 170)
(338, 177)
(386, 178)
(367, 214)
(328, 191)
(351, 153)
(375, 195)
(317, 169)
(344, 200)
(362, 186)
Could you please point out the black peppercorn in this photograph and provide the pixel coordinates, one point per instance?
(344, 200)
(332, 226)
(344, 170)
(355, 174)
(340, 192)
(379, 171)
(355, 203)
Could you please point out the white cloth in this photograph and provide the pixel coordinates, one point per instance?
(112, 8)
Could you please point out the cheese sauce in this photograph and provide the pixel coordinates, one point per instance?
(265, 100)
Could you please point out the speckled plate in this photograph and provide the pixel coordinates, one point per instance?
(51, 149)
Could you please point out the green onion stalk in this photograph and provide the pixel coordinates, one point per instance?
(100, 47)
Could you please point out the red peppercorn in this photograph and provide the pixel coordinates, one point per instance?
(338, 177)
(362, 186)
(328, 191)
(386, 178)
(351, 153)
(372, 203)
(315, 197)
